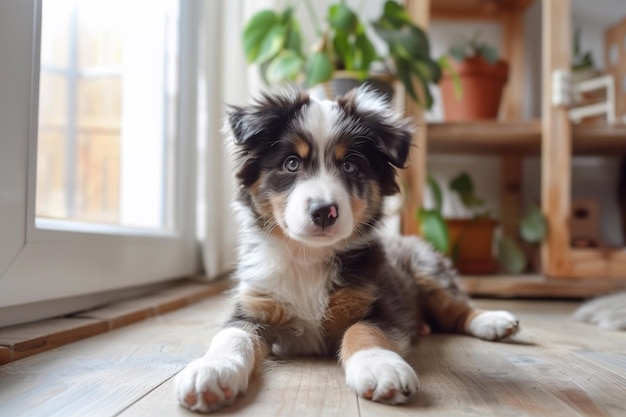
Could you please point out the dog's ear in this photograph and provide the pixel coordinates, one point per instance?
(266, 117)
(391, 132)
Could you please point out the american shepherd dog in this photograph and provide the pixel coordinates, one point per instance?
(315, 274)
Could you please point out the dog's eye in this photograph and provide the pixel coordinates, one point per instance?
(349, 167)
(292, 164)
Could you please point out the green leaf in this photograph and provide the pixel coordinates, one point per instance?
(403, 71)
(434, 229)
(576, 42)
(255, 32)
(287, 15)
(410, 42)
(444, 63)
(286, 66)
(421, 41)
(489, 53)
(396, 14)
(320, 68)
(342, 18)
(435, 189)
(428, 97)
(458, 52)
(343, 49)
(510, 256)
(533, 227)
(423, 70)
(294, 38)
(272, 43)
(462, 184)
(366, 52)
(406, 73)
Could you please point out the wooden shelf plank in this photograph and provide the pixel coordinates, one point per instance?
(599, 140)
(539, 286)
(494, 137)
(484, 137)
(594, 263)
(474, 9)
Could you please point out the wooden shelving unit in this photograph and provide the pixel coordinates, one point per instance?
(571, 272)
(500, 137)
(489, 137)
(538, 285)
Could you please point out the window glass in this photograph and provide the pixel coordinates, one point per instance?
(107, 94)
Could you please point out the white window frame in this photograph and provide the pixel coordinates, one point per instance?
(66, 267)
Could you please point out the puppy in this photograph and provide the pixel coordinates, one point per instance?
(315, 275)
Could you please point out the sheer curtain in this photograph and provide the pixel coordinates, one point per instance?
(224, 78)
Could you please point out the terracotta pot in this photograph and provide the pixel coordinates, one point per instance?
(471, 241)
(482, 85)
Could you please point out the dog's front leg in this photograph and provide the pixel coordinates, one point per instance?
(223, 373)
(374, 367)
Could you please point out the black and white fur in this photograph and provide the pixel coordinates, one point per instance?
(315, 275)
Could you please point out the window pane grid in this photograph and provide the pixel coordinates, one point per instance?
(106, 142)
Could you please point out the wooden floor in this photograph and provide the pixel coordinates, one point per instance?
(555, 368)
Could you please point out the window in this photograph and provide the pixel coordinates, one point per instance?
(107, 101)
(103, 123)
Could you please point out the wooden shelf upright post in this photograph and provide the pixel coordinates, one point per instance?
(415, 175)
(556, 144)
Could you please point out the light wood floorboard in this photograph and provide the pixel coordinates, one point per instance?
(555, 367)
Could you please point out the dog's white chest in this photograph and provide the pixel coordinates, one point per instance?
(308, 291)
(298, 279)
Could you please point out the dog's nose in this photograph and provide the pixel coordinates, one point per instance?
(323, 214)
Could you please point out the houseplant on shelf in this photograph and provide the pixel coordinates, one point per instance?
(470, 241)
(583, 67)
(343, 49)
(482, 77)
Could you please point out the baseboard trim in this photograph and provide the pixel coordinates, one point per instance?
(23, 340)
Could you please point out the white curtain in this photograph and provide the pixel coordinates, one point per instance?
(224, 78)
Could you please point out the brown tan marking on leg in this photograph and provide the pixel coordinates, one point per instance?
(448, 308)
(266, 310)
(345, 307)
(398, 389)
(261, 350)
(465, 320)
(361, 336)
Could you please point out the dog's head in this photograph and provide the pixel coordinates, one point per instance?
(317, 171)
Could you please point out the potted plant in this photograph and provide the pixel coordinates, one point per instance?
(482, 76)
(343, 49)
(583, 67)
(470, 241)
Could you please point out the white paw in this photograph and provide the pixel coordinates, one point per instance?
(493, 325)
(381, 375)
(206, 385)
(216, 379)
